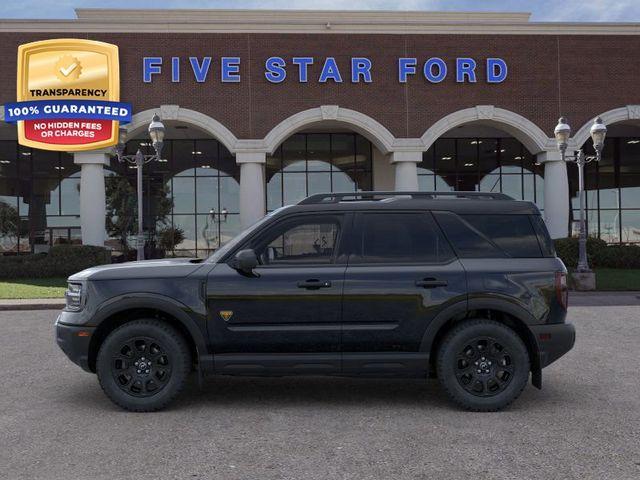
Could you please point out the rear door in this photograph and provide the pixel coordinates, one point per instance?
(402, 272)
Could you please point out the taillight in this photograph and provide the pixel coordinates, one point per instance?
(562, 291)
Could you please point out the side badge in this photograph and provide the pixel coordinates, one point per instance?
(226, 315)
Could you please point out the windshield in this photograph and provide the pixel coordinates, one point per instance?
(238, 239)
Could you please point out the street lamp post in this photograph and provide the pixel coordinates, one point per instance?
(156, 133)
(562, 133)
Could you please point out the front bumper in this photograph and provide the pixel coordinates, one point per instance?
(74, 341)
(554, 340)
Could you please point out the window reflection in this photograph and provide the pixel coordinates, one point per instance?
(612, 191)
(482, 164)
(309, 163)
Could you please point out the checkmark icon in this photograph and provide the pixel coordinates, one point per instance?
(66, 71)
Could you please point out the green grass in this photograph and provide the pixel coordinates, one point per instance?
(33, 288)
(617, 279)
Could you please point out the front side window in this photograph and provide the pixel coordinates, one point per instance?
(401, 238)
(301, 242)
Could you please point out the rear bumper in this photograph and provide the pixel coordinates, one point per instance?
(554, 341)
(74, 341)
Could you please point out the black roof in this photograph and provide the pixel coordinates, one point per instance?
(457, 202)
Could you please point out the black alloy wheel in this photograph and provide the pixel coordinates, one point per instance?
(143, 365)
(483, 365)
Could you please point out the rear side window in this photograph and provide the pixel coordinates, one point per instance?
(401, 238)
(468, 241)
(514, 234)
(546, 244)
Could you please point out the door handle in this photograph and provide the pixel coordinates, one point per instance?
(431, 283)
(314, 284)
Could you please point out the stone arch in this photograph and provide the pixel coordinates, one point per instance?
(210, 125)
(374, 131)
(629, 112)
(527, 132)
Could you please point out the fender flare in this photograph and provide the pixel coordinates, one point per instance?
(161, 303)
(503, 304)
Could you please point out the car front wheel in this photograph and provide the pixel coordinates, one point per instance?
(143, 365)
(483, 365)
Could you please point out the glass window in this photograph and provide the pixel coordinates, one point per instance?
(402, 238)
(305, 242)
(308, 163)
(512, 233)
(631, 226)
(467, 240)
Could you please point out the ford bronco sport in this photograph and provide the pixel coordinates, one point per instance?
(460, 285)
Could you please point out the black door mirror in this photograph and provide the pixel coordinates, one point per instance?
(245, 261)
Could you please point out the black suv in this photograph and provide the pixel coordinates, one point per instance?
(462, 286)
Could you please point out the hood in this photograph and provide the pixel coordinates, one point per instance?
(165, 268)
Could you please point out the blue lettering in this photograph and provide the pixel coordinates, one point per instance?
(230, 70)
(360, 67)
(496, 70)
(151, 66)
(303, 64)
(200, 71)
(275, 69)
(465, 67)
(175, 69)
(428, 70)
(406, 66)
(330, 71)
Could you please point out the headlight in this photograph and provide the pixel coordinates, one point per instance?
(73, 296)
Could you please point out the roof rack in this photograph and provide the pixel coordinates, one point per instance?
(361, 196)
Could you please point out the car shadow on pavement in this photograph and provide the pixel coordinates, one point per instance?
(277, 392)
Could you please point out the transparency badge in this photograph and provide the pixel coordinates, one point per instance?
(68, 95)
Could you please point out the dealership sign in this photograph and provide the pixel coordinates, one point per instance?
(68, 94)
(323, 70)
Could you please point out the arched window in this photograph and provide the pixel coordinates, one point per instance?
(308, 163)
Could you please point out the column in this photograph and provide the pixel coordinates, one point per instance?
(252, 187)
(556, 194)
(93, 209)
(406, 166)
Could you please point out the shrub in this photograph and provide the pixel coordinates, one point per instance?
(61, 261)
(599, 254)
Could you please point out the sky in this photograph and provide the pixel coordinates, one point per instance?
(542, 10)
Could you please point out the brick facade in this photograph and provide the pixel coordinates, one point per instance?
(574, 75)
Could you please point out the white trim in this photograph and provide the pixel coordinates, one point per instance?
(140, 121)
(382, 138)
(532, 136)
(629, 112)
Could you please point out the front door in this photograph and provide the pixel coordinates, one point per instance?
(287, 316)
(401, 274)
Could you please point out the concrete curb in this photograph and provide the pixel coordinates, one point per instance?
(31, 304)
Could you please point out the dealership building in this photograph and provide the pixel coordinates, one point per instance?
(263, 108)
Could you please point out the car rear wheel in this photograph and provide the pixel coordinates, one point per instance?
(143, 365)
(483, 365)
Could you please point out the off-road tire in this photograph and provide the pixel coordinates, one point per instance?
(456, 363)
(167, 363)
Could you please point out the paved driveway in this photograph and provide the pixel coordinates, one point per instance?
(56, 423)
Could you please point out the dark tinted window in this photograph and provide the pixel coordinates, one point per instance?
(402, 237)
(468, 241)
(546, 244)
(514, 234)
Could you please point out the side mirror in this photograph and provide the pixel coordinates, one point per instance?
(245, 261)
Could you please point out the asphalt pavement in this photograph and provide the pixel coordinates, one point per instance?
(55, 422)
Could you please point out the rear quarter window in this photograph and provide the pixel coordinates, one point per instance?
(513, 234)
(491, 235)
